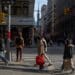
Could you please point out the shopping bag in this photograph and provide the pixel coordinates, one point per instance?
(40, 60)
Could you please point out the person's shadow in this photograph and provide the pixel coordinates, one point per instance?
(22, 68)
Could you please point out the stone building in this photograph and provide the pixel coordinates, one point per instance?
(22, 19)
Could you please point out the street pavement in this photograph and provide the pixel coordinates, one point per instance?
(25, 67)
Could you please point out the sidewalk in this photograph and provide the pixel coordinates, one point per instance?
(27, 67)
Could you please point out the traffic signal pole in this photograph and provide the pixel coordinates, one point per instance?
(8, 55)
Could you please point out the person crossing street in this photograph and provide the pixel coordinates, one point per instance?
(2, 50)
(19, 47)
(42, 50)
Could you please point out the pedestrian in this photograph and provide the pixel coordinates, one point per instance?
(42, 49)
(2, 50)
(43, 44)
(68, 55)
(19, 47)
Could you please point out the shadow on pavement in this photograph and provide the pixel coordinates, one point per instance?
(60, 72)
(22, 69)
(29, 68)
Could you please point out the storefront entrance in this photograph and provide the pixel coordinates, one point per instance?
(27, 34)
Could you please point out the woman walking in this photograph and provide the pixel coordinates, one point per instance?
(42, 50)
(68, 55)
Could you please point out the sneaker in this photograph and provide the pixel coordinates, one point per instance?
(41, 67)
(49, 64)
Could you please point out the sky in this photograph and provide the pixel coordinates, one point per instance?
(38, 3)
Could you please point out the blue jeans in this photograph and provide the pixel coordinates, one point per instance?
(2, 57)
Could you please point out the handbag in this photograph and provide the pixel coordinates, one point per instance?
(40, 60)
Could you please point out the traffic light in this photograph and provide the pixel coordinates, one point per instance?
(67, 11)
(2, 17)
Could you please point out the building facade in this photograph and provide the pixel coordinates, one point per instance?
(65, 18)
(43, 19)
(21, 18)
(61, 18)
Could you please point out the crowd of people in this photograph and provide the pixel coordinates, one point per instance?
(41, 50)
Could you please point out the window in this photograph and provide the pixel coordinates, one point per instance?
(4, 8)
(25, 9)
